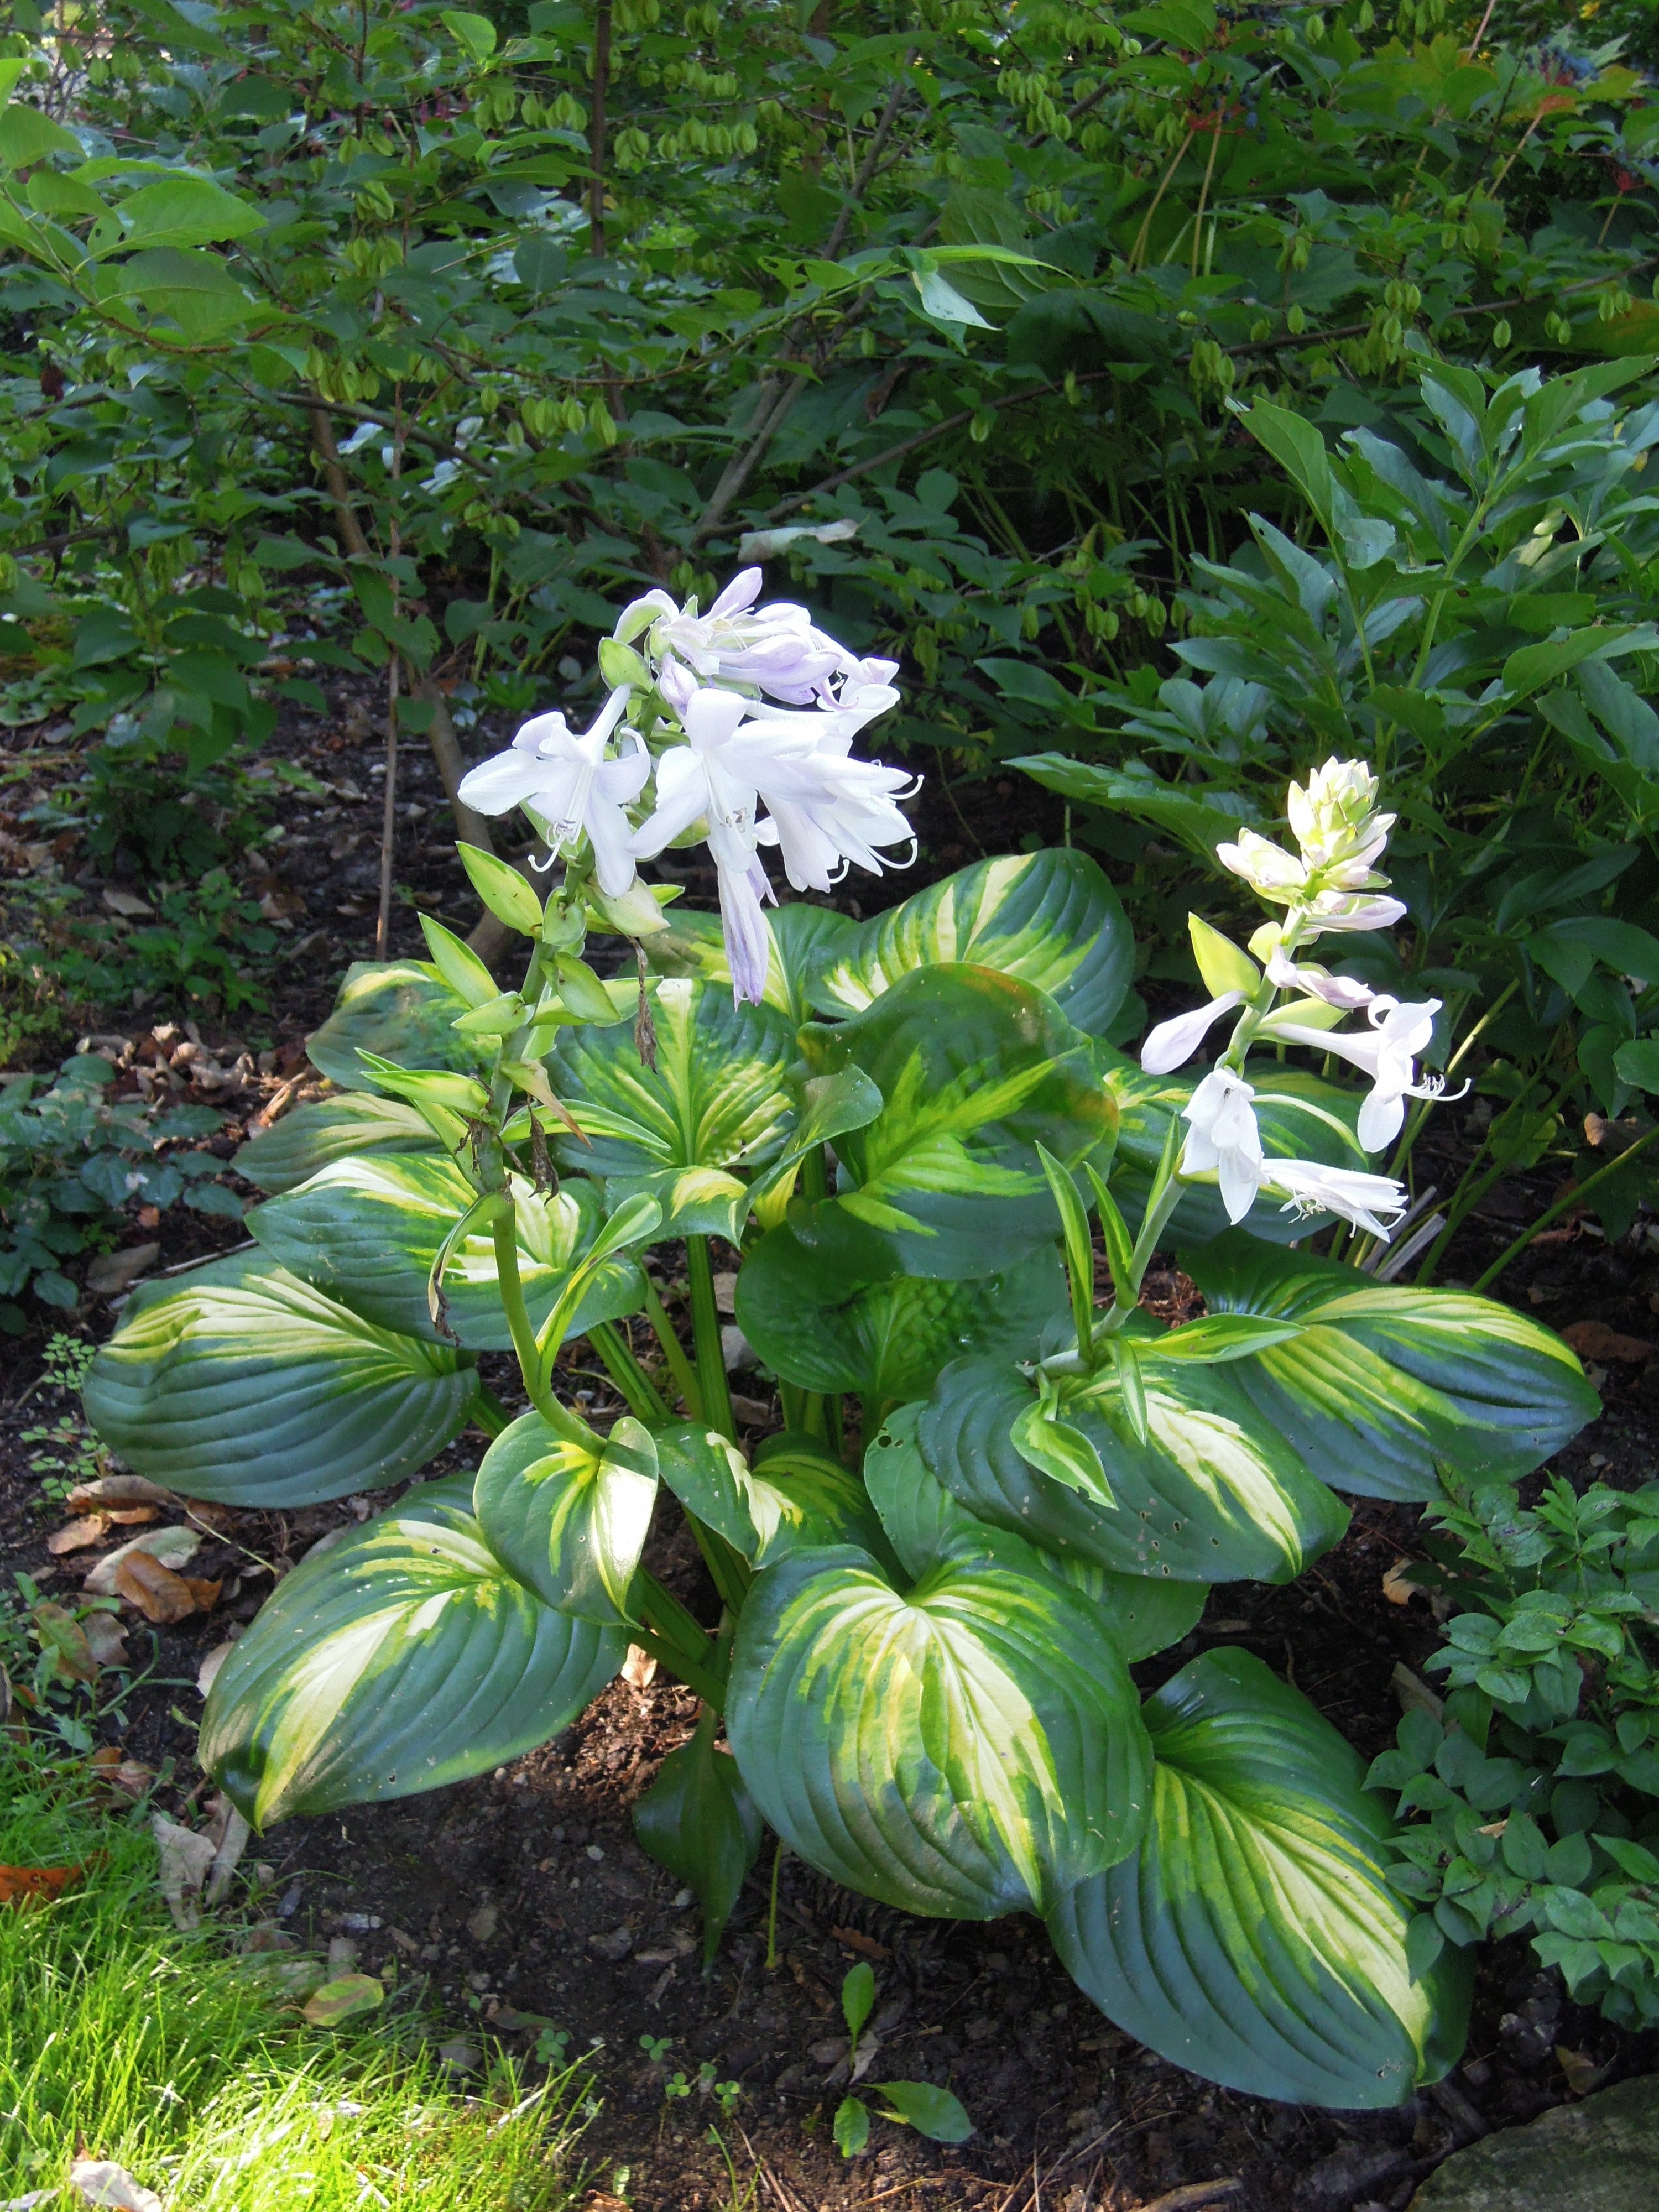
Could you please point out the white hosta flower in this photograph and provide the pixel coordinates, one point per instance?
(1387, 1052)
(1223, 1140)
(825, 809)
(1308, 1187)
(1350, 910)
(1333, 821)
(571, 786)
(1173, 1043)
(1268, 870)
(776, 648)
(1318, 983)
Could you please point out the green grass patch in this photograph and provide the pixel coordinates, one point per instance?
(122, 2038)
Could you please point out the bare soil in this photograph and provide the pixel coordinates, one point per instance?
(523, 1893)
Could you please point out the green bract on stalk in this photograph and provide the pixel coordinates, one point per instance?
(982, 1499)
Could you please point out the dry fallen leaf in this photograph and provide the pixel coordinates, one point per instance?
(159, 1594)
(856, 1941)
(208, 1673)
(101, 2182)
(20, 1885)
(343, 2000)
(459, 2056)
(227, 1831)
(174, 1548)
(106, 1639)
(110, 1273)
(1594, 1339)
(130, 1777)
(108, 1490)
(76, 1536)
(133, 1516)
(639, 1669)
(1581, 2069)
(127, 902)
(63, 1636)
(186, 1858)
(1398, 1587)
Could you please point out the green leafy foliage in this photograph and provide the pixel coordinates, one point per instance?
(70, 1159)
(1537, 1784)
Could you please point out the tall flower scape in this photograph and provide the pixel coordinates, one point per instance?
(987, 1489)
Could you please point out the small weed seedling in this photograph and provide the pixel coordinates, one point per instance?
(931, 2111)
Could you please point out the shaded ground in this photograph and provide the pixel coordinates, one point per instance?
(523, 1894)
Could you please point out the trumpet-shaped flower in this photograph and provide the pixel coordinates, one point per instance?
(1223, 1140)
(1349, 910)
(570, 785)
(1308, 1187)
(1173, 1043)
(824, 808)
(1268, 870)
(1387, 1052)
(777, 649)
(1286, 975)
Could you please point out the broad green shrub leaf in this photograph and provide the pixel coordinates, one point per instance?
(245, 1385)
(570, 1524)
(186, 287)
(404, 1010)
(977, 1070)
(970, 1749)
(887, 1339)
(292, 1149)
(369, 1230)
(716, 1101)
(699, 1821)
(406, 1658)
(1049, 918)
(1213, 1495)
(1254, 1938)
(1301, 1130)
(1386, 1385)
(927, 1527)
(797, 1496)
(184, 211)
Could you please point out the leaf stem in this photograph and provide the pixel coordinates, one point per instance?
(673, 1350)
(644, 1399)
(536, 1370)
(712, 1384)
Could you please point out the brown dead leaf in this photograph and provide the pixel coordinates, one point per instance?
(855, 1940)
(1581, 2069)
(112, 1490)
(26, 1885)
(127, 902)
(108, 2185)
(343, 1999)
(63, 1636)
(186, 1858)
(204, 1515)
(1398, 1587)
(174, 1548)
(133, 1516)
(106, 1639)
(159, 1594)
(207, 1673)
(639, 1669)
(76, 1536)
(111, 1272)
(1594, 1339)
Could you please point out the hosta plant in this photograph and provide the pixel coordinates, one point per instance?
(992, 1491)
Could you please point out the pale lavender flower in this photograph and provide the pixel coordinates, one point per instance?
(1173, 1043)
(566, 781)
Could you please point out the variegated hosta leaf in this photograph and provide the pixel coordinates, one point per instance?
(977, 1070)
(1308, 1129)
(1253, 1938)
(803, 938)
(799, 1495)
(402, 1010)
(242, 1384)
(887, 1339)
(368, 1229)
(716, 1103)
(1213, 1495)
(572, 1524)
(406, 1656)
(1049, 918)
(973, 1748)
(929, 1526)
(290, 1152)
(1386, 1385)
